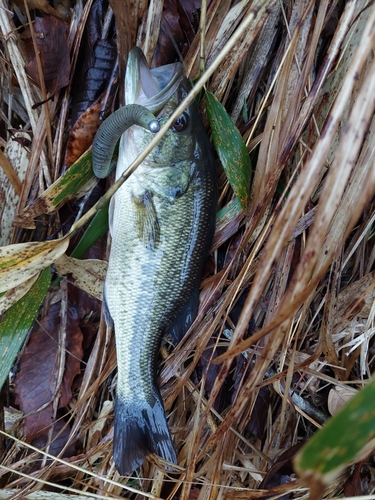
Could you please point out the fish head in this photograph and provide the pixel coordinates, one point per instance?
(161, 90)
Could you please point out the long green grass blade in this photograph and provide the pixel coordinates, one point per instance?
(63, 189)
(341, 441)
(231, 149)
(96, 229)
(17, 322)
(229, 211)
(71, 182)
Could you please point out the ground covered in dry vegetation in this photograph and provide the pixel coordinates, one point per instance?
(284, 332)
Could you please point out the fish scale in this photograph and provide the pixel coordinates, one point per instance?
(137, 295)
(162, 224)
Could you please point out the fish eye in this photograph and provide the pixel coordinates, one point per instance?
(181, 123)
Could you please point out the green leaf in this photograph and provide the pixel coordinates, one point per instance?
(229, 211)
(231, 149)
(341, 441)
(97, 228)
(17, 322)
(71, 182)
(62, 190)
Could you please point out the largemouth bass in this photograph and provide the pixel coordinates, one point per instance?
(162, 224)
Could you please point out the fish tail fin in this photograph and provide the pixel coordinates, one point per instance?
(140, 429)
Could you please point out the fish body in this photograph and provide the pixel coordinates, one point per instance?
(162, 223)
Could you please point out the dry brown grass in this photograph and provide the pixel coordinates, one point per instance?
(289, 310)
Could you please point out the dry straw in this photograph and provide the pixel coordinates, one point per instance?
(277, 317)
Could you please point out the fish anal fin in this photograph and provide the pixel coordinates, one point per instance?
(185, 319)
(140, 429)
(146, 219)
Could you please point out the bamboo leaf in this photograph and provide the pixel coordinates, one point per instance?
(341, 442)
(89, 274)
(13, 295)
(231, 149)
(18, 320)
(22, 261)
(75, 183)
(63, 189)
(96, 229)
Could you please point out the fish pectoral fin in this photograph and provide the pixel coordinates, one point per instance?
(184, 320)
(111, 212)
(146, 219)
(140, 429)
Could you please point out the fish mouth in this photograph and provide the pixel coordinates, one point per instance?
(151, 88)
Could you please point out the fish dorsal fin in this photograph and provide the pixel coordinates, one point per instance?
(146, 219)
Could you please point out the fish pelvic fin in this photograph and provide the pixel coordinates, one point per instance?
(140, 429)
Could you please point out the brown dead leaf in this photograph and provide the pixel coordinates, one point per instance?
(355, 485)
(281, 470)
(338, 397)
(96, 62)
(52, 41)
(179, 22)
(42, 5)
(259, 414)
(35, 383)
(60, 435)
(356, 299)
(83, 133)
(194, 493)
